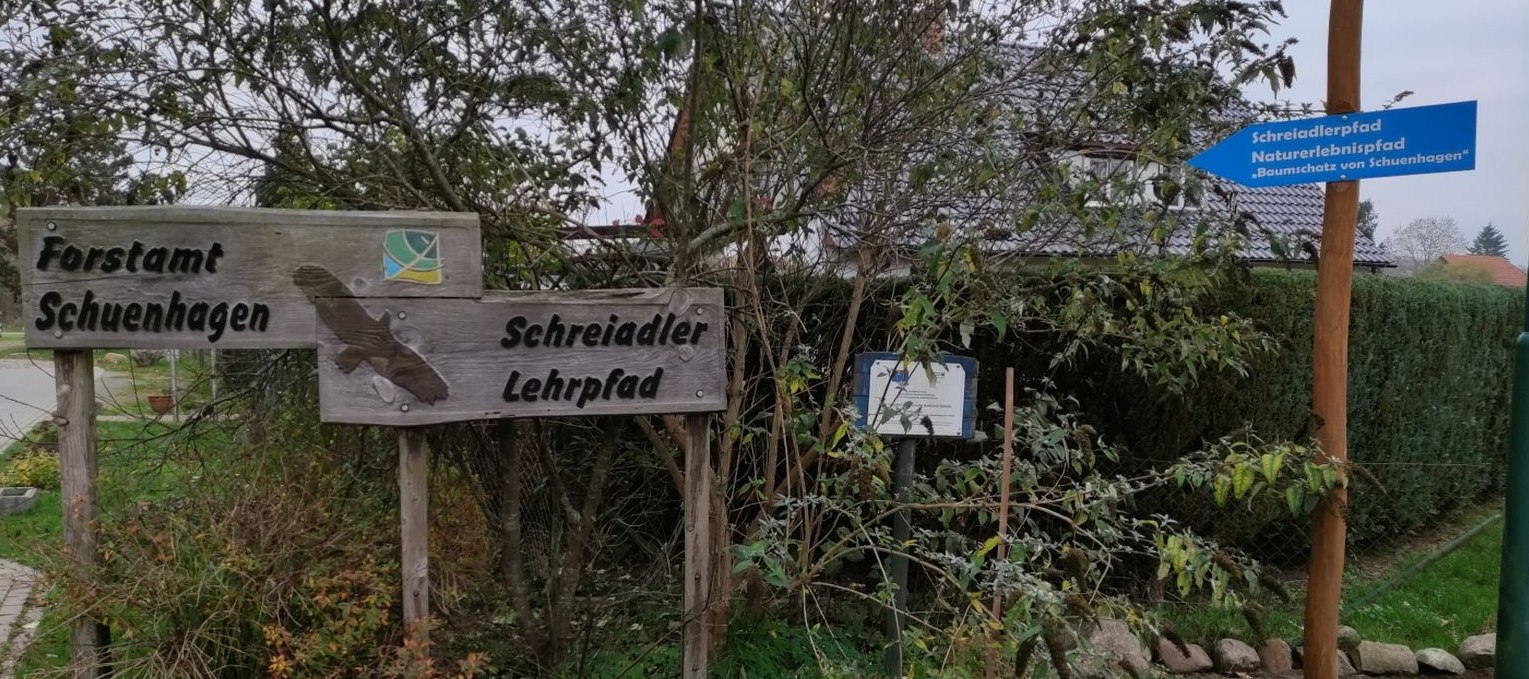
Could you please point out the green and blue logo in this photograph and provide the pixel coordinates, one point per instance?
(412, 255)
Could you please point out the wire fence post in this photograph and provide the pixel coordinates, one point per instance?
(1513, 588)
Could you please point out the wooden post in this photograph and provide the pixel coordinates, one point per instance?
(1003, 509)
(698, 547)
(413, 511)
(74, 374)
(1335, 272)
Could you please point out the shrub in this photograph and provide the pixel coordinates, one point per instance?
(35, 467)
(278, 563)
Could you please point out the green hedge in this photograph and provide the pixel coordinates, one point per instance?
(1430, 375)
(1429, 390)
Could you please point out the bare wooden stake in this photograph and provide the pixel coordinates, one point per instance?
(74, 374)
(1003, 508)
(413, 511)
(698, 547)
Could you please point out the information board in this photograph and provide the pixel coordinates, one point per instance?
(933, 400)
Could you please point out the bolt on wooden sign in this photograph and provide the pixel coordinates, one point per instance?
(518, 354)
(188, 277)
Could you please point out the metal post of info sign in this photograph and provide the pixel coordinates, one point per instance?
(189, 277)
(1402, 141)
(925, 400)
(403, 362)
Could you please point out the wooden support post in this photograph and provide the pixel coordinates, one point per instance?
(1003, 513)
(1335, 272)
(74, 374)
(698, 547)
(414, 513)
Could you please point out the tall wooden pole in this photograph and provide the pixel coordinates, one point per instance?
(74, 375)
(698, 489)
(1335, 273)
(414, 527)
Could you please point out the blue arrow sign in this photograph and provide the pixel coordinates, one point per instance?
(1399, 141)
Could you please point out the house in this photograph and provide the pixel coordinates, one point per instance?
(1495, 269)
(1275, 226)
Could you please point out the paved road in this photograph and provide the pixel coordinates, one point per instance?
(27, 394)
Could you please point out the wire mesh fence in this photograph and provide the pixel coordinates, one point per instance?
(1386, 560)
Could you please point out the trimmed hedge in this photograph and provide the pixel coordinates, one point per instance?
(1430, 377)
(1430, 380)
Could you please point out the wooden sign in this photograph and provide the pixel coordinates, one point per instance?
(187, 277)
(532, 354)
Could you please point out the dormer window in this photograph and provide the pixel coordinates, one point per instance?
(1122, 177)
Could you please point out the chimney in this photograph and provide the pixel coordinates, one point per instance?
(933, 37)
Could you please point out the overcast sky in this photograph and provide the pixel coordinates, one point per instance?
(1443, 52)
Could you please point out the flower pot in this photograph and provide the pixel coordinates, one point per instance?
(161, 403)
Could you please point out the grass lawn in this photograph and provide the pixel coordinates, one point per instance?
(1449, 600)
(1437, 608)
(132, 456)
(134, 465)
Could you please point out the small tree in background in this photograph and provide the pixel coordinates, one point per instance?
(1368, 220)
(1490, 242)
(1424, 240)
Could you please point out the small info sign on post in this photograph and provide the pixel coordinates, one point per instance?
(925, 400)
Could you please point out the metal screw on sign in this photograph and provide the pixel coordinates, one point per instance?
(52, 226)
(58, 333)
(699, 311)
(402, 315)
(699, 393)
(404, 407)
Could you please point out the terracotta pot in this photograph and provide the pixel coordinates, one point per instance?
(161, 403)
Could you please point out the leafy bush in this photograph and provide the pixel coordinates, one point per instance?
(35, 467)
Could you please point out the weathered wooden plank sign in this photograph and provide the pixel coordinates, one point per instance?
(518, 354)
(188, 277)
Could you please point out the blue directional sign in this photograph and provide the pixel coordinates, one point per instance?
(1399, 141)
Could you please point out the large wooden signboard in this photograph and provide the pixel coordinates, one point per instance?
(592, 352)
(197, 277)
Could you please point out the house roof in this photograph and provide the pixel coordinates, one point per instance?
(1502, 271)
(1293, 213)
(1285, 224)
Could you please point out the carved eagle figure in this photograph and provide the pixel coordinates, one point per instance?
(367, 339)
